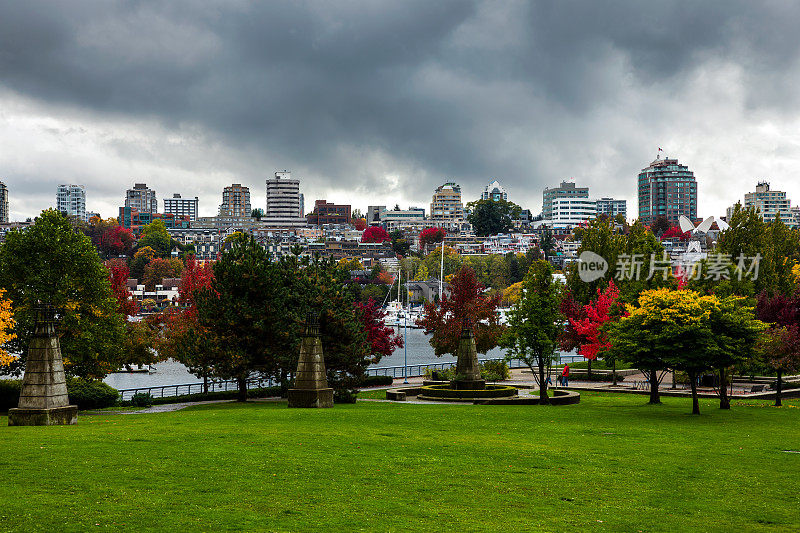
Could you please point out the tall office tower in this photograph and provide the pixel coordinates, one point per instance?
(446, 203)
(612, 207)
(495, 192)
(181, 206)
(235, 201)
(71, 200)
(283, 196)
(566, 190)
(3, 203)
(302, 204)
(668, 189)
(141, 199)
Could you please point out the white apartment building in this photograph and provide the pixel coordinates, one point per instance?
(571, 212)
(283, 196)
(769, 203)
(71, 200)
(181, 206)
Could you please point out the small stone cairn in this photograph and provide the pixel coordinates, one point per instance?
(43, 399)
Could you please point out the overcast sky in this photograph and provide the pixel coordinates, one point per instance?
(379, 103)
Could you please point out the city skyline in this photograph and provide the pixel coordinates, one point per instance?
(529, 94)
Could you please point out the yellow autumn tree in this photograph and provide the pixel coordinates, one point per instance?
(513, 293)
(6, 329)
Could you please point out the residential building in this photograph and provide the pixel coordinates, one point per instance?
(182, 206)
(446, 204)
(283, 196)
(235, 201)
(135, 220)
(3, 203)
(402, 218)
(495, 192)
(769, 203)
(612, 207)
(567, 190)
(571, 212)
(141, 199)
(374, 213)
(92, 214)
(328, 213)
(667, 189)
(71, 200)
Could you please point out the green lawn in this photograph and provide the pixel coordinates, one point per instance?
(611, 463)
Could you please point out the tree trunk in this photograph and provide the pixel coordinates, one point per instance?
(654, 399)
(543, 399)
(205, 384)
(589, 369)
(695, 401)
(778, 389)
(614, 373)
(242, 396)
(724, 399)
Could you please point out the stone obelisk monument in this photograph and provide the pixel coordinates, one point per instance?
(43, 399)
(467, 367)
(311, 384)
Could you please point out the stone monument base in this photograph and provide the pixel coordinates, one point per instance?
(469, 384)
(54, 416)
(311, 397)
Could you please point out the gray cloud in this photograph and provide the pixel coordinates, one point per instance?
(381, 102)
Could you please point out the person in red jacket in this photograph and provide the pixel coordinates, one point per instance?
(565, 376)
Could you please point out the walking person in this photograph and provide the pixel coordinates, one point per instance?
(565, 376)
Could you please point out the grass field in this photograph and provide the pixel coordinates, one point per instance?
(610, 463)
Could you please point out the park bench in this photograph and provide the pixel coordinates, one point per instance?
(756, 388)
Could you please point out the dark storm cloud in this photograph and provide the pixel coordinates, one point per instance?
(455, 88)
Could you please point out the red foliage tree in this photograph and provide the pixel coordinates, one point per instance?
(375, 234)
(464, 303)
(598, 312)
(430, 236)
(574, 311)
(195, 276)
(116, 240)
(675, 231)
(382, 338)
(118, 275)
(360, 224)
(780, 345)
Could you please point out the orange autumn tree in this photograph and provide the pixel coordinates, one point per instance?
(6, 329)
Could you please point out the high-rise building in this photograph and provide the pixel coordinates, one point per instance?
(141, 199)
(181, 206)
(769, 203)
(612, 207)
(446, 204)
(667, 189)
(567, 190)
(283, 196)
(495, 192)
(3, 203)
(571, 212)
(302, 205)
(71, 200)
(235, 201)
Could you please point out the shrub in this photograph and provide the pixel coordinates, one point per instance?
(142, 399)
(91, 394)
(9, 393)
(495, 371)
(376, 381)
